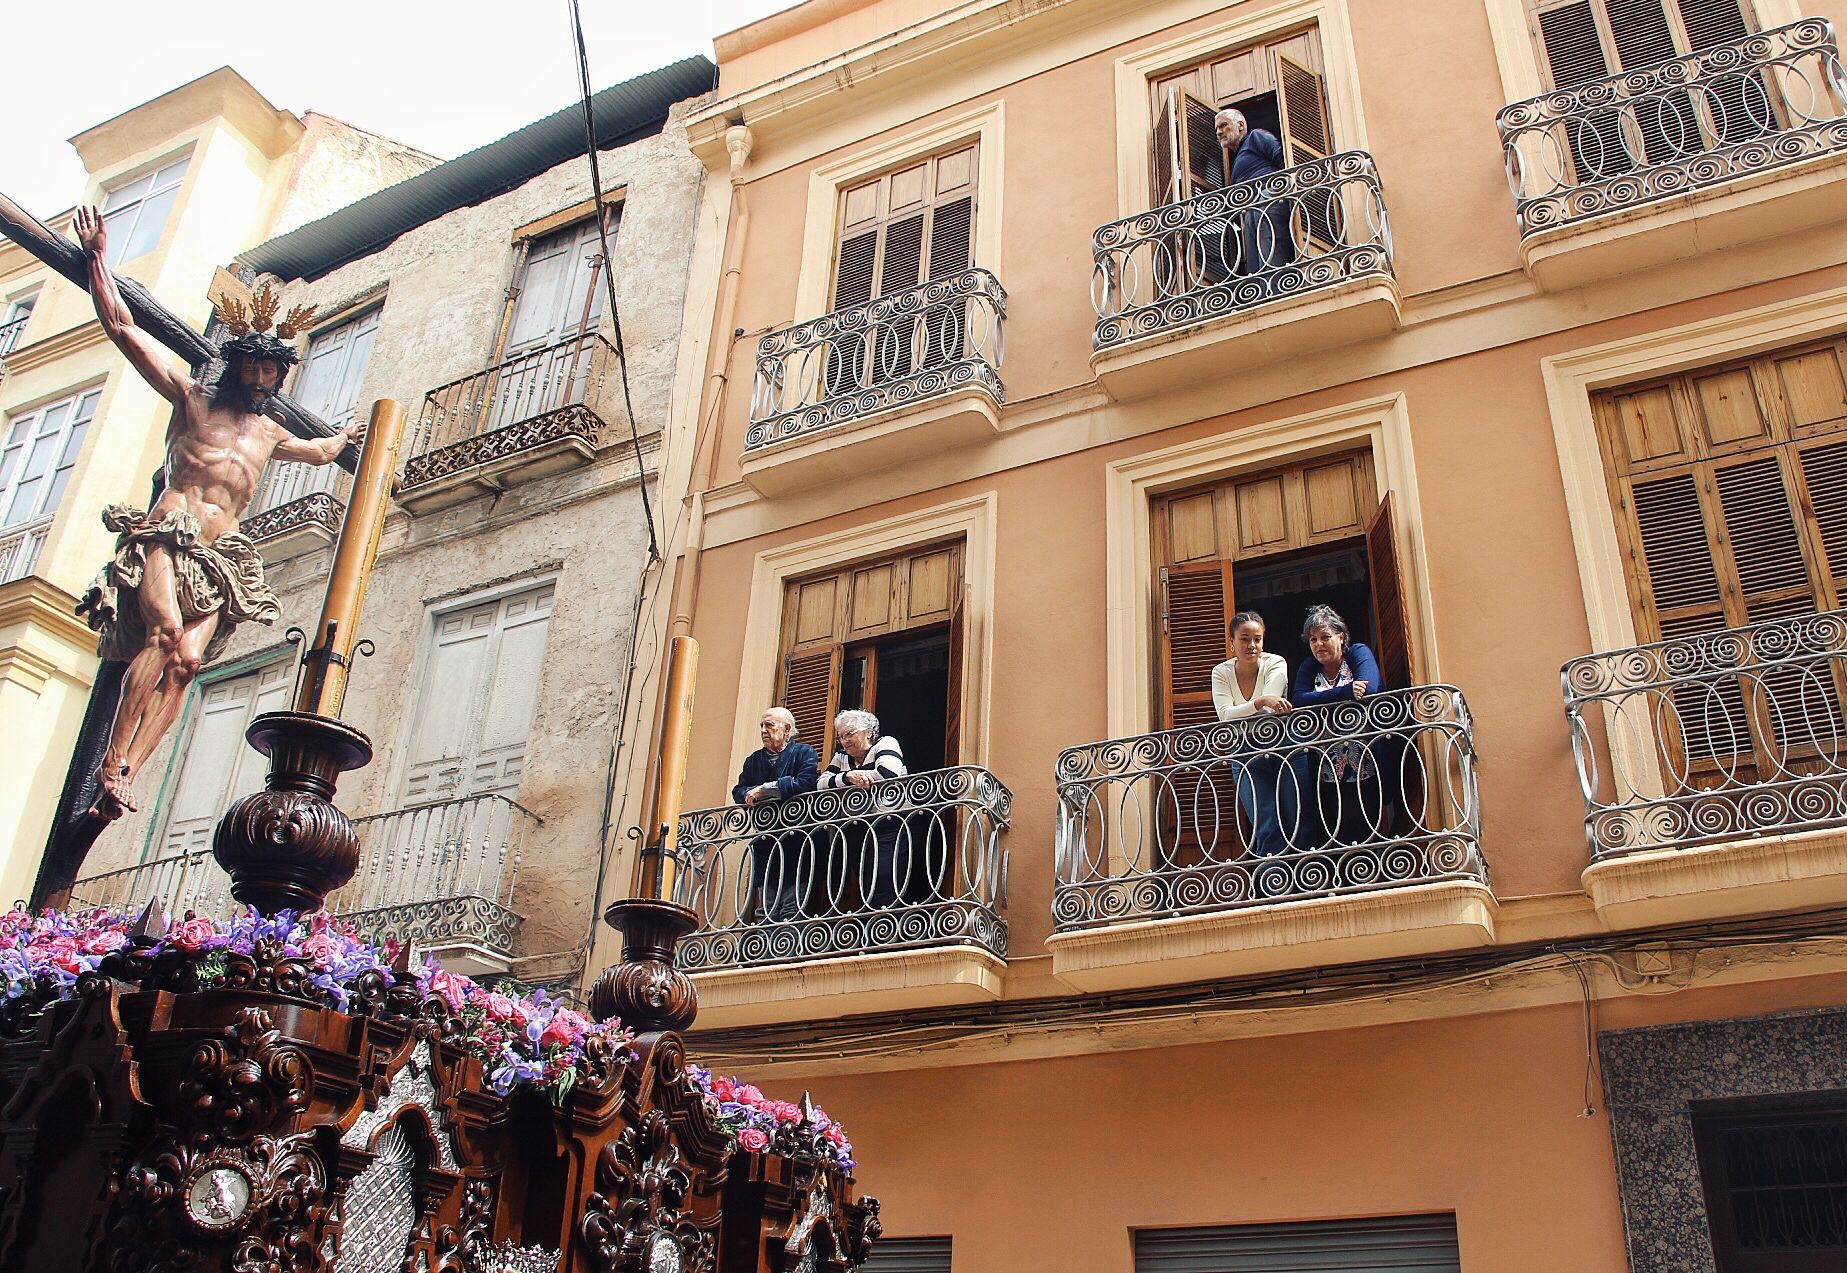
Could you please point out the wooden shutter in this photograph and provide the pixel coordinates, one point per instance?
(1824, 472)
(1390, 624)
(219, 765)
(1302, 103)
(1164, 148)
(1196, 607)
(952, 720)
(909, 1255)
(810, 688)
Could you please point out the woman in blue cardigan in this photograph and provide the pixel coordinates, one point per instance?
(1349, 802)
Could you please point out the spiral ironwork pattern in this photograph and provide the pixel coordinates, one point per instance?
(1306, 227)
(1365, 795)
(908, 863)
(897, 349)
(1771, 99)
(1713, 736)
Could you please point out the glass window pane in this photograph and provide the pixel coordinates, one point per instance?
(152, 221)
(9, 460)
(21, 506)
(171, 174)
(59, 480)
(134, 191)
(38, 456)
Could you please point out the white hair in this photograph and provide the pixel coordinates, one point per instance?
(1228, 116)
(854, 718)
(787, 717)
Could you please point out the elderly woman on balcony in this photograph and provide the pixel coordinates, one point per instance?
(867, 756)
(1253, 681)
(1349, 802)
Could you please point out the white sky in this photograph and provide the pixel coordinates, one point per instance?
(441, 75)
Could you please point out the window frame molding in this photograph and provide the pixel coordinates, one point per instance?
(1571, 378)
(1133, 72)
(1517, 53)
(186, 148)
(1381, 424)
(973, 520)
(983, 125)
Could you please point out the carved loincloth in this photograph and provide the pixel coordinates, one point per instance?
(226, 577)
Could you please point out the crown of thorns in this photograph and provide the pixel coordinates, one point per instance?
(250, 326)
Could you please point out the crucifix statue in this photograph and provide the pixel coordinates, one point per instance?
(184, 576)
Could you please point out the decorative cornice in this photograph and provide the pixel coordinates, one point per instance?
(33, 601)
(60, 345)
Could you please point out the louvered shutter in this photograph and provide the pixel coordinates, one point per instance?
(1302, 103)
(952, 720)
(1196, 606)
(1206, 166)
(1168, 184)
(1575, 55)
(853, 279)
(1391, 626)
(811, 680)
(909, 1255)
(1824, 472)
(1391, 1244)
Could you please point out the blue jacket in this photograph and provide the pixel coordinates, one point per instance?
(794, 769)
(1258, 155)
(1359, 659)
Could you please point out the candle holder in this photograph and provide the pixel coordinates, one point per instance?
(645, 990)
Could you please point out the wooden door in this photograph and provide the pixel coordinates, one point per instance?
(219, 765)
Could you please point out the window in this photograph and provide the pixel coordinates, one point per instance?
(327, 385)
(38, 454)
(13, 324)
(1730, 489)
(1277, 84)
(1277, 542)
(475, 705)
(908, 1255)
(886, 636)
(135, 213)
(560, 288)
(1402, 1244)
(218, 765)
(1776, 1185)
(1587, 40)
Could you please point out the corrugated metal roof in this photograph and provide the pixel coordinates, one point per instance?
(624, 112)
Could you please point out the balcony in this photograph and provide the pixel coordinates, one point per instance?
(896, 379)
(1714, 771)
(439, 878)
(1158, 881)
(1733, 144)
(296, 508)
(1265, 270)
(848, 899)
(20, 547)
(526, 418)
(10, 333)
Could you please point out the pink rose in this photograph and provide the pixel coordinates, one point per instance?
(723, 1088)
(785, 1111)
(62, 952)
(106, 943)
(323, 948)
(191, 934)
(565, 1027)
(834, 1136)
(499, 1007)
(753, 1140)
(749, 1095)
(453, 987)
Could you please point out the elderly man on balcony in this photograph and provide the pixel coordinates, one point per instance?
(780, 865)
(1264, 239)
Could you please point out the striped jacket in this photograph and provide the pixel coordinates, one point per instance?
(885, 758)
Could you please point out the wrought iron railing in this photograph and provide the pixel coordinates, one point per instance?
(20, 546)
(907, 863)
(185, 882)
(10, 332)
(1712, 737)
(528, 386)
(1306, 227)
(1771, 99)
(897, 349)
(438, 874)
(293, 495)
(1344, 798)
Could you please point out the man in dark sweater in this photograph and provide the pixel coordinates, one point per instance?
(1256, 152)
(781, 866)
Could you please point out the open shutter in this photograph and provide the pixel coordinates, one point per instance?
(811, 680)
(1824, 472)
(1206, 163)
(952, 719)
(1391, 626)
(1196, 607)
(1303, 106)
(1165, 179)
(1575, 55)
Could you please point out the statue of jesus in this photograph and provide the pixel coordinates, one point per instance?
(183, 576)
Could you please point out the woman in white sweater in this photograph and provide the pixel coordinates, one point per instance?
(1249, 682)
(893, 863)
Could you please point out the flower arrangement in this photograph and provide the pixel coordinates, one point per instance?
(519, 1039)
(759, 1124)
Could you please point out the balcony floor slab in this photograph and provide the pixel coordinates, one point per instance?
(1325, 318)
(889, 981)
(1802, 871)
(1393, 923)
(1745, 209)
(883, 440)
